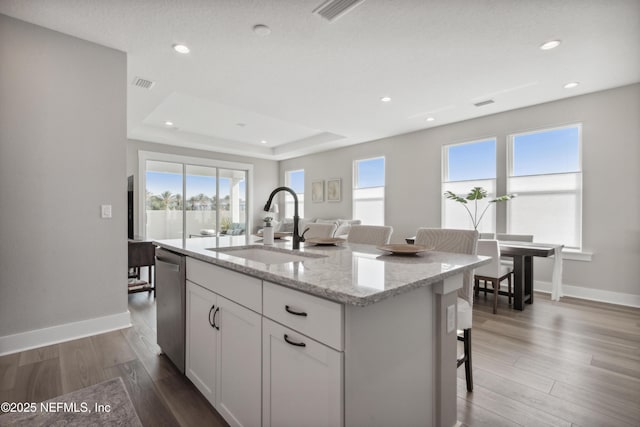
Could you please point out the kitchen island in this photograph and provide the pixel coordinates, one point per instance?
(324, 336)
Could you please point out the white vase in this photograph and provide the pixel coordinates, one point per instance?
(267, 235)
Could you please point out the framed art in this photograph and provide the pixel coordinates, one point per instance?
(334, 190)
(317, 191)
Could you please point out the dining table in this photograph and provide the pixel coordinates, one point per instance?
(522, 254)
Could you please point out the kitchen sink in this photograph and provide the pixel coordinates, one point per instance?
(267, 255)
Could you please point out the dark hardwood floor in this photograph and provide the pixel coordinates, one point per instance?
(568, 363)
(161, 395)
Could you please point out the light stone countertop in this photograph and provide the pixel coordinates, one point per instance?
(349, 273)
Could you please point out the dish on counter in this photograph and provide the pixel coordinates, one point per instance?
(324, 241)
(403, 249)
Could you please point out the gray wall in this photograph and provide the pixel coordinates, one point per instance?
(62, 155)
(611, 156)
(265, 173)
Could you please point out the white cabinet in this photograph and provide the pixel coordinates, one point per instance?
(224, 355)
(202, 345)
(302, 380)
(238, 396)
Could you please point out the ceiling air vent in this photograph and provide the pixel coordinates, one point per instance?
(487, 102)
(334, 9)
(143, 83)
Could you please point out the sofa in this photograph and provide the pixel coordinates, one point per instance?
(342, 225)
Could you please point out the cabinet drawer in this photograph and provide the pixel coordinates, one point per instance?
(312, 316)
(243, 289)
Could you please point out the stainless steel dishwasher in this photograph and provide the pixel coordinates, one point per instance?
(170, 305)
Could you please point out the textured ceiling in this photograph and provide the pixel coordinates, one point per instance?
(313, 85)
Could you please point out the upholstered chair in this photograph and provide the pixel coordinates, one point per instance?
(494, 272)
(462, 242)
(318, 230)
(370, 234)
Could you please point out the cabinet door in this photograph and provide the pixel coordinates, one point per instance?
(201, 340)
(302, 380)
(239, 381)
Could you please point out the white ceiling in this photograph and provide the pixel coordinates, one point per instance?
(313, 85)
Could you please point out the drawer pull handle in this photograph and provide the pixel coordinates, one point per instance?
(215, 325)
(297, 313)
(297, 344)
(210, 321)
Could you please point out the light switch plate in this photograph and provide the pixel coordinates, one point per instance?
(105, 211)
(451, 318)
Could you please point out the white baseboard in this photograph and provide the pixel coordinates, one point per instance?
(599, 295)
(61, 333)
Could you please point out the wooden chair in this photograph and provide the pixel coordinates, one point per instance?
(141, 254)
(494, 272)
(370, 234)
(461, 242)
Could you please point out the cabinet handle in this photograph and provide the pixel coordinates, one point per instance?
(297, 344)
(297, 313)
(214, 318)
(211, 323)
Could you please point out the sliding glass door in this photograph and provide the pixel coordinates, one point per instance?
(163, 213)
(192, 200)
(201, 201)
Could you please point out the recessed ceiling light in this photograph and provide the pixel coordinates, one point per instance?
(180, 48)
(430, 119)
(571, 85)
(550, 44)
(385, 99)
(261, 30)
(168, 123)
(263, 141)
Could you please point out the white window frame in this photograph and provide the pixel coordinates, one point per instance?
(472, 182)
(579, 192)
(355, 187)
(144, 156)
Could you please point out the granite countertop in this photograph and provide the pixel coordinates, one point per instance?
(348, 273)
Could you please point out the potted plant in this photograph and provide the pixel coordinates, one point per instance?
(476, 193)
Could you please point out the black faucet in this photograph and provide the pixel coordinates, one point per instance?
(296, 238)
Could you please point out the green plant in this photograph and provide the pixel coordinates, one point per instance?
(225, 223)
(476, 193)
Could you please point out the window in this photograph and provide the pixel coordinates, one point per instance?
(368, 191)
(191, 197)
(295, 181)
(464, 166)
(545, 171)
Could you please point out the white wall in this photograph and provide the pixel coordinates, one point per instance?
(265, 173)
(62, 155)
(611, 156)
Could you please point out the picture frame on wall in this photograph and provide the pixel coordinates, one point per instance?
(317, 191)
(334, 190)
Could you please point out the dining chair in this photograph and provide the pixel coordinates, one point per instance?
(319, 230)
(462, 242)
(515, 237)
(507, 260)
(493, 272)
(370, 234)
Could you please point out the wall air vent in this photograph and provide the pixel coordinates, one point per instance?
(481, 103)
(334, 9)
(143, 83)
